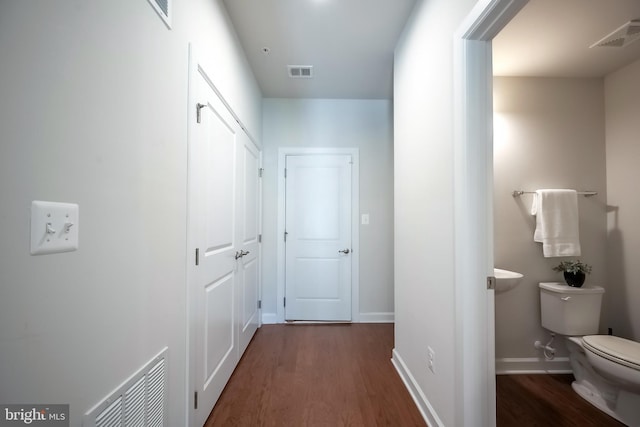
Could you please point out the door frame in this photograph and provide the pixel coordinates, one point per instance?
(283, 152)
(473, 202)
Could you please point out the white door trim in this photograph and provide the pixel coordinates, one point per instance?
(473, 176)
(260, 251)
(283, 152)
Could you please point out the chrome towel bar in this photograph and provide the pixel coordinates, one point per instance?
(518, 193)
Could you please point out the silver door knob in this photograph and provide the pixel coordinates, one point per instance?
(240, 254)
(344, 251)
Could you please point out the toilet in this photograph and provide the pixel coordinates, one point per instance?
(606, 368)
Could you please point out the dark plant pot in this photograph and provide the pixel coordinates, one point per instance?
(574, 279)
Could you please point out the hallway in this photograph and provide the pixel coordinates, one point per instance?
(317, 375)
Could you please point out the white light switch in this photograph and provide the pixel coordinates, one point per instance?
(54, 227)
(365, 219)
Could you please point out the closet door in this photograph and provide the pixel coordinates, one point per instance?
(213, 223)
(249, 266)
(223, 231)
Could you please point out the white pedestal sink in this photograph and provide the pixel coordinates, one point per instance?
(506, 280)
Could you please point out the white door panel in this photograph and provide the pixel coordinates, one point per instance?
(219, 327)
(251, 165)
(318, 227)
(250, 229)
(218, 176)
(213, 211)
(317, 190)
(249, 294)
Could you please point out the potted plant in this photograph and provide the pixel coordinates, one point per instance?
(574, 271)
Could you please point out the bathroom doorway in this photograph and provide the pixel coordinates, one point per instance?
(473, 172)
(549, 105)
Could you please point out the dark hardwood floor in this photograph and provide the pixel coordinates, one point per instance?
(317, 375)
(341, 375)
(545, 400)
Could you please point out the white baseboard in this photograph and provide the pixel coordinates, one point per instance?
(421, 401)
(532, 365)
(377, 317)
(269, 318)
(272, 318)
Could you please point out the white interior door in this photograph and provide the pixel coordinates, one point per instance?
(249, 312)
(318, 237)
(213, 208)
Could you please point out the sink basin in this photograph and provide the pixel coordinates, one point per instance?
(506, 280)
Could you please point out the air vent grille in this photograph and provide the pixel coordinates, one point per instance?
(111, 416)
(622, 37)
(156, 395)
(139, 401)
(300, 71)
(134, 404)
(164, 6)
(163, 9)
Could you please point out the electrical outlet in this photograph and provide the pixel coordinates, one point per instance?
(431, 359)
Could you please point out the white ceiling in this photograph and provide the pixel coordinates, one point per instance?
(349, 43)
(551, 38)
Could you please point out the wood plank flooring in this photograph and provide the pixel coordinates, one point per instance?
(545, 400)
(341, 375)
(317, 375)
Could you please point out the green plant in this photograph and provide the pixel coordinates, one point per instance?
(575, 266)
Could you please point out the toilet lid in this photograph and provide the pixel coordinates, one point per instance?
(616, 349)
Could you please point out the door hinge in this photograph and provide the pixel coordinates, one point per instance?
(284, 301)
(260, 172)
(259, 238)
(491, 282)
(259, 304)
(198, 113)
(197, 256)
(285, 236)
(195, 400)
(285, 173)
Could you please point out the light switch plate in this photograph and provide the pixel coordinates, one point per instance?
(54, 227)
(365, 219)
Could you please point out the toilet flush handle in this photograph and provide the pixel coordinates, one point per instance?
(565, 298)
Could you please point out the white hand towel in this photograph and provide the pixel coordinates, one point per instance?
(556, 214)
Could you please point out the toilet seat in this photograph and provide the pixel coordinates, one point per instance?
(615, 349)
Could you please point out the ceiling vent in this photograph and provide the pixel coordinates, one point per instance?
(622, 37)
(300, 71)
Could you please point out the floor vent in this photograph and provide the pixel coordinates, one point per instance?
(300, 71)
(139, 401)
(163, 8)
(622, 37)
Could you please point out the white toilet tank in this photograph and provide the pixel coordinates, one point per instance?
(567, 310)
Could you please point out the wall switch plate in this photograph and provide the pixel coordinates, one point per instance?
(54, 227)
(365, 219)
(431, 359)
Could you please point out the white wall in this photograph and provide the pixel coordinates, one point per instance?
(622, 100)
(549, 133)
(424, 229)
(366, 125)
(93, 111)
